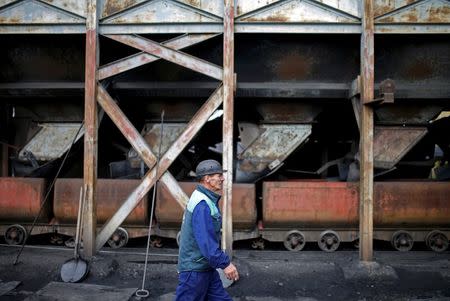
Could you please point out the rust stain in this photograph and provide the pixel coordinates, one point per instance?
(238, 10)
(113, 6)
(9, 20)
(419, 69)
(21, 198)
(294, 66)
(169, 213)
(151, 138)
(281, 16)
(274, 18)
(312, 203)
(388, 20)
(439, 14)
(389, 5)
(109, 195)
(382, 9)
(412, 17)
(415, 203)
(384, 29)
(193, 2)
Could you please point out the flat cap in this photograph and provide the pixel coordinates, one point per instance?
(208, 167)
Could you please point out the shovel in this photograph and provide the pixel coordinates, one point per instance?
(76, 269)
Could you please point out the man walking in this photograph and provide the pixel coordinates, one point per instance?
(200, 253)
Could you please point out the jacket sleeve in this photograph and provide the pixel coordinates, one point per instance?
(202, 224)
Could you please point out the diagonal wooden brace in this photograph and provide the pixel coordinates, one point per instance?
(193, 127)
(137, 141)
(171, 55)
(142, 58)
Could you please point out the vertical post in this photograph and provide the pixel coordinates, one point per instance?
(91, 126)
(228, 116)
(366, 134)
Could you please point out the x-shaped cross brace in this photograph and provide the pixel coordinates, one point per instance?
(137, 141)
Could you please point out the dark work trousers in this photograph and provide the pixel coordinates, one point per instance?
(201, 286)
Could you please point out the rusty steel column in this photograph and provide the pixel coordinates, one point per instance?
(228, 116)
(91, 129)
(366, 134)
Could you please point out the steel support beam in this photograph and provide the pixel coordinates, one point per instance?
(297, 28)
(412, 28)
(250, 27)
(315, 91)
(194, 126)
(91, 129)
(139, 28)
(366, 134)
(142, 58)
(170, 55)
(228, 118)
(138, 142)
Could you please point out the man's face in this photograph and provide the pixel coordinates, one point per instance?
(214, 181)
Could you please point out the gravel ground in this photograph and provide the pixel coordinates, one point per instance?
(265, 275)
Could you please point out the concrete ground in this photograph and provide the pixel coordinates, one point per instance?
(265, 275)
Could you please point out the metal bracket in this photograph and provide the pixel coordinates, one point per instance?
(387, 90)
(355, 87)
(31, 158)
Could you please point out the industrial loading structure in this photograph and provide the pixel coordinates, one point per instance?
(331, 118)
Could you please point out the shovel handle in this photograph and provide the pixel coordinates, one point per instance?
(78, 230)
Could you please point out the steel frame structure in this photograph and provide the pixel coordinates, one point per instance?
(198, 21)
(196, 16)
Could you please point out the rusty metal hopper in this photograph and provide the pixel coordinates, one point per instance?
(152, 134)
(133, 166)
(51, 141)
(266, 146)
(42, 152)
(391, 143)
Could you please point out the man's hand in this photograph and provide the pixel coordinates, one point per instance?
(231, 272)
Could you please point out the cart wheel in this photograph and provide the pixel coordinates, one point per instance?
(15, 235)
(70, 243)
(437, 241)
(294, 240)
(156, 242)
(329, 241)
(56, 239)
(258, 244)
(118, 239)
(402, 241)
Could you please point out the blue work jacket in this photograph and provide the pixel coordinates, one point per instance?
(201, 233)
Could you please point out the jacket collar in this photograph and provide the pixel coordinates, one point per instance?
(210, 194)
